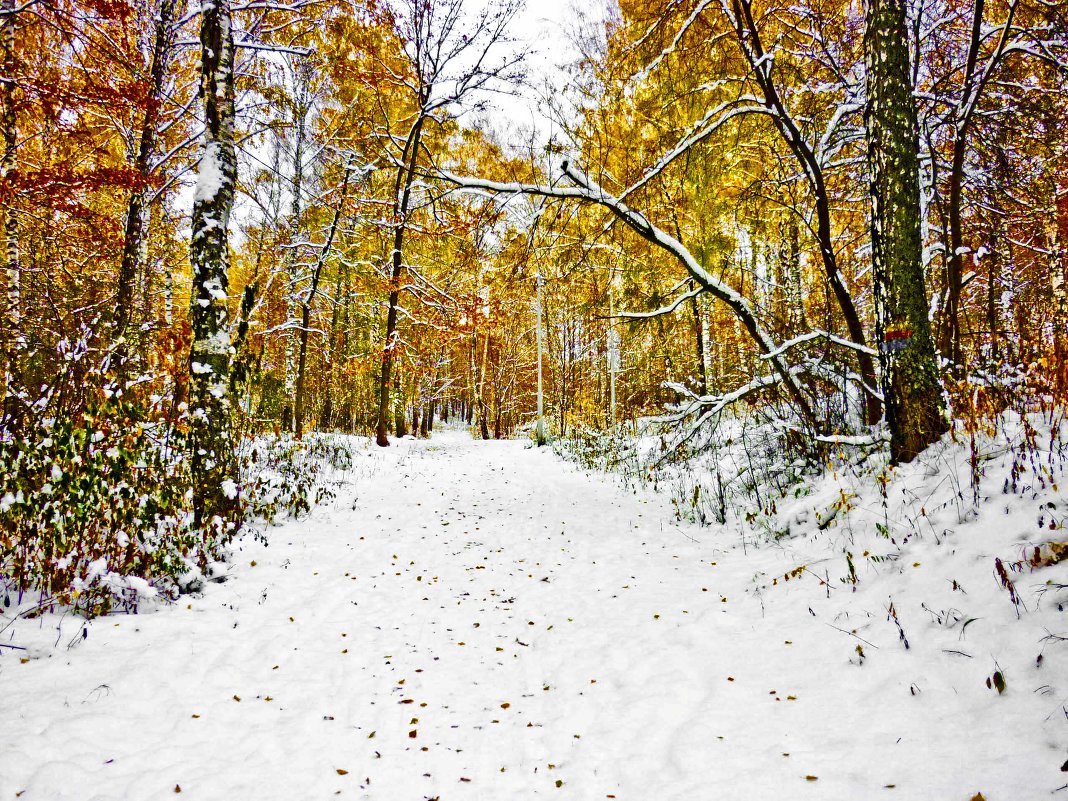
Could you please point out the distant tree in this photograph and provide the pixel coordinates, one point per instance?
(449, 57)
(136, 228)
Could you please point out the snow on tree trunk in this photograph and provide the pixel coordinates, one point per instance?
(212, 459)
(915, 412)
(11, 223)
(1059, 280)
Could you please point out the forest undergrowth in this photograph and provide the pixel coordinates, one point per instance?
(751, 473)
(96, 513)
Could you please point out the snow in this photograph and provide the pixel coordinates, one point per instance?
(480, 620)
(210, 175)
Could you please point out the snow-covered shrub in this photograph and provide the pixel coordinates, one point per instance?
(96, 513)
(285, 476)
(94, 504)
(96, 494)
(741, 466)
(594, 449)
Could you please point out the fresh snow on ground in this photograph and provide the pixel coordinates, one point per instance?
(480, 620)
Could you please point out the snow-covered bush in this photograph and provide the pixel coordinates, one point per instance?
(93, 504)
(285, 476)
(96, 495)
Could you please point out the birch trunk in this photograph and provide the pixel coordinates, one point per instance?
(301, 107)
(914, 408)
(1059, 281)
(212, 457)
(12, 271)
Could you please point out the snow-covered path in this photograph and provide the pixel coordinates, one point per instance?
(480, 621)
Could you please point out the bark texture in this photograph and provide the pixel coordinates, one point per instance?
(915, 412)
(212, 459)
(12, 273)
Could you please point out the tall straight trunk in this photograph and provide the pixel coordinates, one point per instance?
(168, 293)
(309, 298)
(973, 83)
(403, 195)
(301, 107)
(135, 238)
(699, 330)
(482, 407)
(993, 271)
(332, 349)
(1059, 279)
(950, 331)
(12, 272)
(212, 458)
(1057, 227)
(915, 412)
(400, 426)
(540, 435)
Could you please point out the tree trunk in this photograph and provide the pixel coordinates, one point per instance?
(699, 329)
(950, 344)
(301, 107)
(915, 412)
(950, 330)
(405, 178)
(1059, 282)
(212, 457)
(135, 238)
(11, 319)
(400, 426)
(307, 300)
(332, 349)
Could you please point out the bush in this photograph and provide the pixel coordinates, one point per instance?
(96, 505)
(285, 476)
